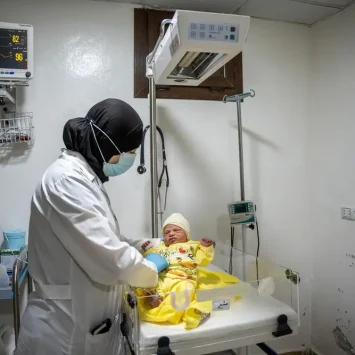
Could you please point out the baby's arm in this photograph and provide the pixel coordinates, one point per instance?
(147, 246)
(152, 297)
(205, 252)
(150, 250)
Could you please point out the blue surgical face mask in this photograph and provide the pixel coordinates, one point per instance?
(125, 163)
(126, 159)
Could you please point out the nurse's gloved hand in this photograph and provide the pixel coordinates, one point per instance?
(158, 260)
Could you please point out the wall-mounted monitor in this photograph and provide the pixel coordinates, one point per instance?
(16, 52)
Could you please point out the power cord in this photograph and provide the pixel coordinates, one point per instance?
(231, 252)
(251, 226)
(258, 249)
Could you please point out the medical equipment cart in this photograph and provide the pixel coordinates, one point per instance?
(19, 274)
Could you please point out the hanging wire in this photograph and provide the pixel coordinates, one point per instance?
(162, 204)
(231, 252)
(258, 249)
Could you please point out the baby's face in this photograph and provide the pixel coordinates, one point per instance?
(174, 235)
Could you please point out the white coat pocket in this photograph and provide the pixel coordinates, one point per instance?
(109, 343)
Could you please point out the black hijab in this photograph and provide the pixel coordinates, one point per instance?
(117, 119)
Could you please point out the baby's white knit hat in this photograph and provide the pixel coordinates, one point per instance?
(179, 220)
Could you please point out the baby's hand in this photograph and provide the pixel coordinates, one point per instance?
(206, 242)
(145, 245)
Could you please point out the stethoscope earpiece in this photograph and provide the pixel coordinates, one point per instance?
(141, 169)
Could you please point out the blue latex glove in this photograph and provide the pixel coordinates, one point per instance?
(158, 260)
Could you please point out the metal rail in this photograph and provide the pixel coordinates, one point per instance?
(22, 258)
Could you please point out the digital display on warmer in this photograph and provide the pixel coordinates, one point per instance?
(13, 49)
(242, 208)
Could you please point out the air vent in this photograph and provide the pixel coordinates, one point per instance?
(194, 65)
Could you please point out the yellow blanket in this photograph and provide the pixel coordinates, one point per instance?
(196, 312)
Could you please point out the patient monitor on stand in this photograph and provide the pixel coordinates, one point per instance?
(242, 212)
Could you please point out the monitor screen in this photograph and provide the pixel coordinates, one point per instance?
(241, 208)
(13, 49)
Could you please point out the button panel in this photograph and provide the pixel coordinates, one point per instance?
(214, 32)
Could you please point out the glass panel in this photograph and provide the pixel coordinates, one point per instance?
(266, 277)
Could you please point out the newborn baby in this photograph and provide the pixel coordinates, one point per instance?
(182, 255)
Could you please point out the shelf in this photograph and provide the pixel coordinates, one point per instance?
(16, 128)
(6, 292)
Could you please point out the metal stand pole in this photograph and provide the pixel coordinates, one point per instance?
(238, 99)
(30, 284)
(16, 290)
(241, 151)
(241, 175)
(153, 131)
(153, 157)
(15, 300)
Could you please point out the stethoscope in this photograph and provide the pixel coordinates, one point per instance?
(164, 176)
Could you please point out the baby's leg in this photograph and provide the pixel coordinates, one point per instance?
(154, 297)
(196, 312)
(184, 292)
(166, 286)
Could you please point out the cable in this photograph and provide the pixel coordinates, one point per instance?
(266, 349)
(231, 252)
(142, 169)
(258, 249)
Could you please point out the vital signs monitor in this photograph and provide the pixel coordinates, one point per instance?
(242, 212)
(16, 52)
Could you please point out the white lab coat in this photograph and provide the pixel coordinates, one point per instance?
(78, 260)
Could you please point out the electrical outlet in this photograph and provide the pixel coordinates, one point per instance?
(348, 213)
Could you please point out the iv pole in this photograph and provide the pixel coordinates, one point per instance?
(238, 99)
(153, 132)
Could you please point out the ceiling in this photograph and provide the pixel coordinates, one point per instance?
(307, 12)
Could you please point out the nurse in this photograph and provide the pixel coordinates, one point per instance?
(78, 258)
